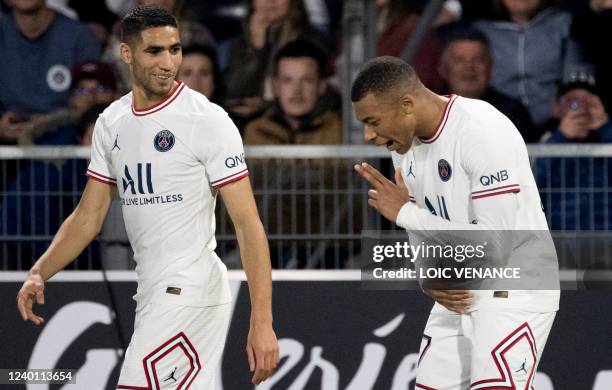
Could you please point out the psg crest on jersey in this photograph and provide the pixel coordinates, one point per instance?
(164, 141)
(444, 169)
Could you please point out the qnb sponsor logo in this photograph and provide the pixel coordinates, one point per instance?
(140, 182)
(498, 177)
(234, 161)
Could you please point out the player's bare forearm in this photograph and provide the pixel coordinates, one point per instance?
(73, 236)
(253, 244)
(262, 345)
(77, 231)
(70, 240)
(256, 262)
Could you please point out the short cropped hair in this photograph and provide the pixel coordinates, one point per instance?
(467, 34)
(145, 17)
(381, 75)
(301, 48)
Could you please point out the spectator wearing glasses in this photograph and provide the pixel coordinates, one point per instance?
(92, 83)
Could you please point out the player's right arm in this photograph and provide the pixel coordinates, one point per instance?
(77, 231)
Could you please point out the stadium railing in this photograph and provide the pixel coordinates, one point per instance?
(313, 205)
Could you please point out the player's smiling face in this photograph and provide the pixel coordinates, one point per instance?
(385, 123)
(155, 60)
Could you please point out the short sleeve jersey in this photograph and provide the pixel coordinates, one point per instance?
(168, 161)
(476, 152)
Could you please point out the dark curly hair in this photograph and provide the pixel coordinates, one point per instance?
(145, 17)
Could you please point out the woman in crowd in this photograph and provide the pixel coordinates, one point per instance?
(200, 71)
(267, 27)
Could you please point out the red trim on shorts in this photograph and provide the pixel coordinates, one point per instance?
(195, 352)
(132, 387)
(442, 122)
(177, 345)
(184, 340)
(503, 378)
(217, 186)
(420, 386)
(170, 97)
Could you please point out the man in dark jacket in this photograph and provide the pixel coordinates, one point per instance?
(302, 113)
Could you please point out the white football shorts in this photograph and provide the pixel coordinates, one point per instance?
(488, 348)
(175, 347)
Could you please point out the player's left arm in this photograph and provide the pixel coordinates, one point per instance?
(262, 346)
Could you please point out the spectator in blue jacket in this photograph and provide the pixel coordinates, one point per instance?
(532, 52)
(93, 83)
(39, 47)
(575, 190)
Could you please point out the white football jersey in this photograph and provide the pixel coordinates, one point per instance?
(475, 155)
(168, 161)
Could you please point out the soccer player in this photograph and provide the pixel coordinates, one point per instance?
(168, 151)
(442, 148)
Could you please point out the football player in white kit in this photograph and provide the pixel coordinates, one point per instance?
(168, 151)
(445, 150)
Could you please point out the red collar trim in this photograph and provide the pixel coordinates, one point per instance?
(442, 122)
(172, 95)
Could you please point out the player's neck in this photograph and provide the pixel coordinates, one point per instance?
(432, 113)
(34, 24)
(142, 99)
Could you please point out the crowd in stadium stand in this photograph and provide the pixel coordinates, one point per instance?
(513, 54)
(272, 64)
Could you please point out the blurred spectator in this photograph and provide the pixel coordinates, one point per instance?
(73, 171)
(466, 67)
(97, 16)
(38, 46)
(575, 190)
(43, 194)
(200, 71)
(580, 114)
(268, 26)
(593, 22)
(92, 83)
(397, 21)
(298, 115)
(532, 52)
(191, 33)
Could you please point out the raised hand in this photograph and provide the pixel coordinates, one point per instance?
(387, 197)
